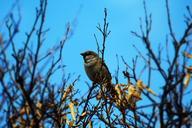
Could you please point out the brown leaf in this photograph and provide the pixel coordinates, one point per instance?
(39, 105)
(99, 96)
(119, 92)
(71, 123)
(90, 124)
(189, 69)
(187, 55)
(22, 111)
(186, 80)
(67, 92)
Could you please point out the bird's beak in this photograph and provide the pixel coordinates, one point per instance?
(83, 54)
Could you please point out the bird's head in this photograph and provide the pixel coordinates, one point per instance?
(89, 56)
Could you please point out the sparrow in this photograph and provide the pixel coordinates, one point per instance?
(96, 69)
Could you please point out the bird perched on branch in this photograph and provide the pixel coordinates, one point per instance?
(96, 69)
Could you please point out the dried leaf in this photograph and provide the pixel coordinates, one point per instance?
(99, 96)
(151, 91)
(39, 105)
(22, 111)
(15, 126)
(131, 89)
(187, 55)
(189, 69)
(118, 102)
(50, 105)
(118, 90)
(137, 95)
(39, 108)
(186, 80)
(83, 114)
(67, 92)
(141, 87)
(133, 94)
(28, 110)
(90, 124)
(72, 109)
(71, 123)
(25, 110)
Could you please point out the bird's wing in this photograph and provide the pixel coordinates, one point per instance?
(106, 68)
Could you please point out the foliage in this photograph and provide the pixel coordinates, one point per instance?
(29, 98)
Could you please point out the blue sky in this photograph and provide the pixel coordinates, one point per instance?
(123, 17)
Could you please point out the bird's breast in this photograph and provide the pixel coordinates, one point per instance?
(97, 73)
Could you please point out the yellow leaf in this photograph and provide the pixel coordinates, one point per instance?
(140, 85)
(66, 93)
(133, 94)
(151, 91)
(137, 95)
(131, 89)
(128, 97)
(72, 109)
(118, 102)
(132, 99)
(186, 80)
(118, 90)
(83, 115)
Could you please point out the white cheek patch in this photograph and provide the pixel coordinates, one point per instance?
(91, 60)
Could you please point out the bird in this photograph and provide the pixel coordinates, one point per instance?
(95, 68)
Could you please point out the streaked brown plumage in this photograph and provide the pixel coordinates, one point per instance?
(96, 71)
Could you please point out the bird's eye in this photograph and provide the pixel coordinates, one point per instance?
(88, 53)
(88, 57)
